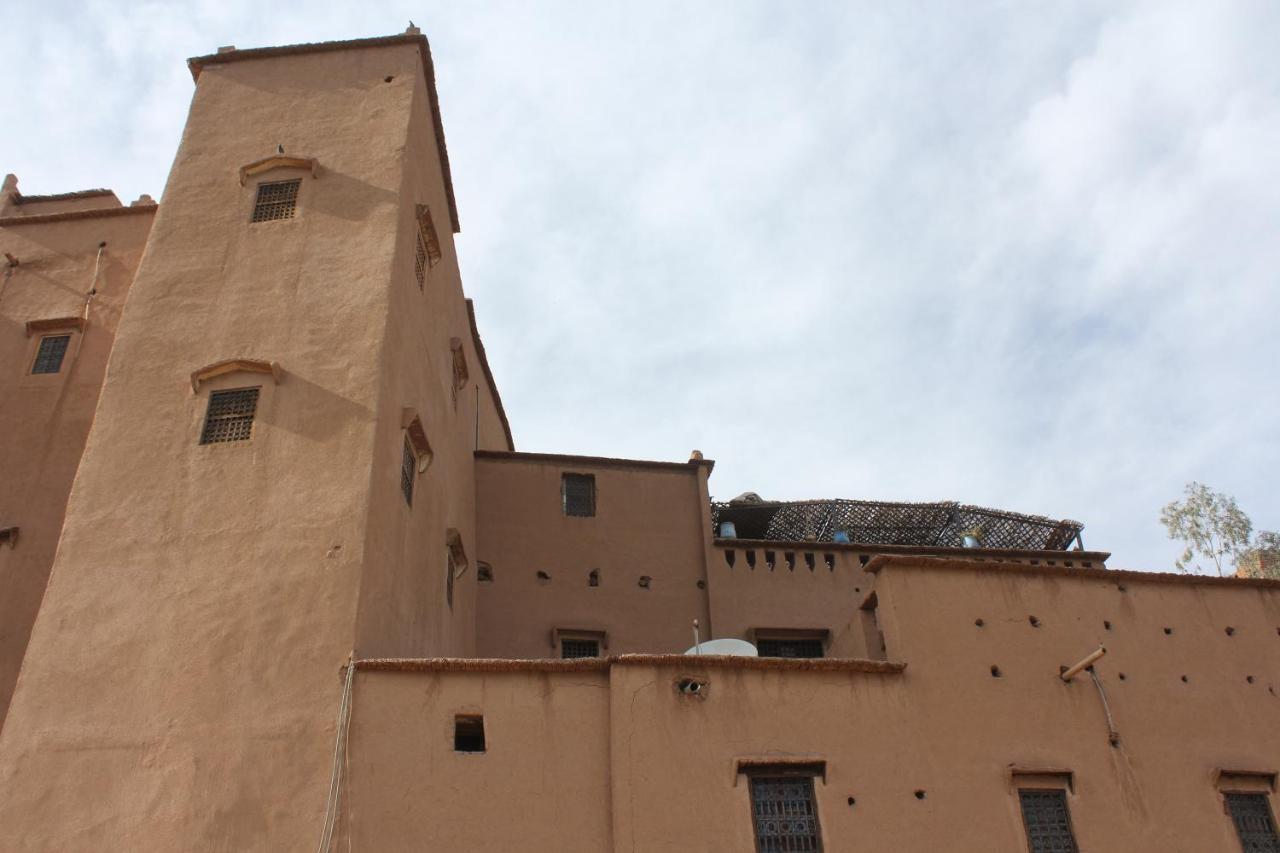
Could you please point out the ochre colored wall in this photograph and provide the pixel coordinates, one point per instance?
(944, 726)
(183, 676)
(44, 419)
(647, 522)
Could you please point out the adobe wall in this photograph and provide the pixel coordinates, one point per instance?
(183, 676)
(44, 419)
(648, 522)
(944, 726)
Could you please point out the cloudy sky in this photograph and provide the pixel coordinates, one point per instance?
(1015, 254)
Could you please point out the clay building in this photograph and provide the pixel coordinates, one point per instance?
(277, 579)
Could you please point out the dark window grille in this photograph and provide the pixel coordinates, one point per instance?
(578, 648)
(800, 647)
(50, 354)
(1048, 822)
(229, 416)
(784, 813)
(579, 494)
(1252, 816)
(468, 734)
(408, 469)
(427, 248)
(276, 200)
(420, 261)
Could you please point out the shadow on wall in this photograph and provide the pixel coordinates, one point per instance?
(314, 412)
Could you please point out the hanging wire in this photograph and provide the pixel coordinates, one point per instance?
(339, 761)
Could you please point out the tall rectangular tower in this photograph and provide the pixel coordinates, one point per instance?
(279, 473)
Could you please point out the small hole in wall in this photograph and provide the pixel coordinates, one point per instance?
(1123, 676)
(702, 584)
(1230, 631)
(1168, 631)
(543, 576)
(790, 557)
(387, 79)
(644, 581)
(1122, 587)
(857, 589)
(1185, 679)
(864, 559)
(751, 559)
(852, 801)
(729, 557)
(830, 560)
(1087, 564)
(769, 559)
(920, 794)
(979, 622)
(1035, 622)
(468, 733)
(808, 560)
(1249, 678)
(484, 573)
(1106, 624)
(1068, 563)
(593, 577)
(995, 672)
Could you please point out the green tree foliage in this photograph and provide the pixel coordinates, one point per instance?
(1213, 527)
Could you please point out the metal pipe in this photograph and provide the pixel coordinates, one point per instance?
(697, 640)
(1072, 671)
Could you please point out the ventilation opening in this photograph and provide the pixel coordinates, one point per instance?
(593, 577)
(484, 573)
(468, 733)
(995, 672)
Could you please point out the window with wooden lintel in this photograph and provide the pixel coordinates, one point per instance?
(784, 811)
(426, 246)
(229, 416)
(578, 494)
(1047, 820)
(276, 200)
(1246, 799)
(579, 642)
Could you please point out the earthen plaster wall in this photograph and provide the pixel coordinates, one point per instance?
(183, 675)
(647, 522)
(912, 759)
(44, 419)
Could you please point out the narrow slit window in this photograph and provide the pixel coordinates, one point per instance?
(49, 356)
(794, 647)
(408, 471)
(276, 200)
(468, 733)
(1048, 823)
(578, 492)
(230, 416)
(1251, 814)
(571, 647)
(784, 813)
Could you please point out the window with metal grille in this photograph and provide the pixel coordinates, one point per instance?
(1251, 813)
(1044, 812)
(579, 648)
(408, 470)
(578, 492)
(53, 348)
(229, 416)
(468, 733)
(427, 246)
(784, 813)
(276, 200)
(795, 647)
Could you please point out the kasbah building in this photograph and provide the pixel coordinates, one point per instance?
(276, 579)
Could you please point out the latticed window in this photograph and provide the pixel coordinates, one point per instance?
(229, 416)
(797, 647)
(408, 469)
(784, 813)
(276, 200)
(427, 246)
(1048, 823)
(579, 648)
(579, 494)
(1252, 816)
(53, 348)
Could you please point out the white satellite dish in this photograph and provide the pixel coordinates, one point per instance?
(727, 646)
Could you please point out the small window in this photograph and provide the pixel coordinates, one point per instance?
(408, 471)
(427, 246)
(230, 416)
(468, 733)
(571, 647)
(53, 349)
(794, 647)
(784, 813)
(1251, 813)
(579, 494)
(276, 200)
(1044, 813)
